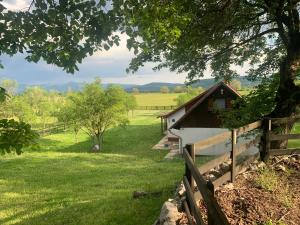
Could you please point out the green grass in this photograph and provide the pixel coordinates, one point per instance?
(64, 184)
(295, 143)
(156, 99)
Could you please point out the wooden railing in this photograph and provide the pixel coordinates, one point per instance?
(194, 176)
(270, 136)
(156, 107)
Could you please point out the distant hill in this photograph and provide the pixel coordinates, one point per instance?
(206, 83)
(154, 86)
(151, 87)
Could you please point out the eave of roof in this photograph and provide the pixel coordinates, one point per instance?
(183, 105)
(203, 97)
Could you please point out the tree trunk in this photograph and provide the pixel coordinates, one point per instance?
(288, 94)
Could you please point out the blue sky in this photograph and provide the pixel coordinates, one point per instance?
(108, 65)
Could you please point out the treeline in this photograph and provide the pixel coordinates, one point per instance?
(93, 110)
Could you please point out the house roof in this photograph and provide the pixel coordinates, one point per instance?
(200, 98)
(190, 102)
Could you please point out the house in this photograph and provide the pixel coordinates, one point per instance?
(197, 119)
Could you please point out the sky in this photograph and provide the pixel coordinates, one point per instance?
(109, 65)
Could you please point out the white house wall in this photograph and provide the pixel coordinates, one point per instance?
(173, 118)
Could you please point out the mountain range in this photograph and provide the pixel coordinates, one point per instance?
(150, 87)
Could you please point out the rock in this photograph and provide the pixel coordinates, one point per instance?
(297, 157)
(281, 168)
(169, 214)
(224, 167)
(215, 173)
(261, 165)
(229, 186)
(211, 177)
(180, 190)
(253, 167)
(96, 148)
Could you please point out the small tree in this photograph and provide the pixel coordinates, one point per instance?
(190, 93)
(10, 86)
(97, 109)
(178, 89)
(164, 89)
(236, 84)
(135, 90)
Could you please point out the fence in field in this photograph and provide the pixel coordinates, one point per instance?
(156, 107)
(55, 128)
(195, 182)
(270, 136)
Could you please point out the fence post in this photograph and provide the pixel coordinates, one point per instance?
(267, 144)
(191, 150)
(210, 217)
(233, 154)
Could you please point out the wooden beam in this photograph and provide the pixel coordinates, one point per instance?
(192, 203)
(223, 179)
(249, 127)
(285, 119)
(188, 213)
(215, 162)
(288, 151)
(211, 203)
(280, 137)
(233, 154)
(208, 142)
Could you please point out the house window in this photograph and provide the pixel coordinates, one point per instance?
(219, 103)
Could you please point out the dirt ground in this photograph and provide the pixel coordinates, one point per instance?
(264, 196)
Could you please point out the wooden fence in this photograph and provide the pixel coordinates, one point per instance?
(194, 175)
(270, 136)
(156, 107)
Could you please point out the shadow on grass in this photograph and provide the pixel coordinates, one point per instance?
(129, 140)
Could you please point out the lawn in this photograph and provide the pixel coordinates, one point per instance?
(63, 183)
(156, 99)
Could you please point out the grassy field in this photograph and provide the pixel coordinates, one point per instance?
(156, 99)
(159, 99)
(64, 184)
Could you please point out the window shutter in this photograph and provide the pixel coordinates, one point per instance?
(228, 103)
(210, 104)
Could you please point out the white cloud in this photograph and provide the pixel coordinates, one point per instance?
(16, 5)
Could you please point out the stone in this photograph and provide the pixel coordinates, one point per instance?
(96, 148)
(169, 214)
(297, 157)
(253, 167)
(229, 186)
(261, 165)
(215, 173)
(224, 167)
(211, 177)
(281, 168)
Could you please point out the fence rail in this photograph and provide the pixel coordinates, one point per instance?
(194, 175)
(157, 107)
(270, 137)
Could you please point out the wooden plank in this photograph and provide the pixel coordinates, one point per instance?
(280, 137)
(285, 119)
(223, 179)
(208, 142)
(215, 162)
(233, 153)
(288, 151)
(211, 203)
(188, 213)
(243, 165)
(246, 146)
(192, 203)
(191, 151)
(249, 127)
